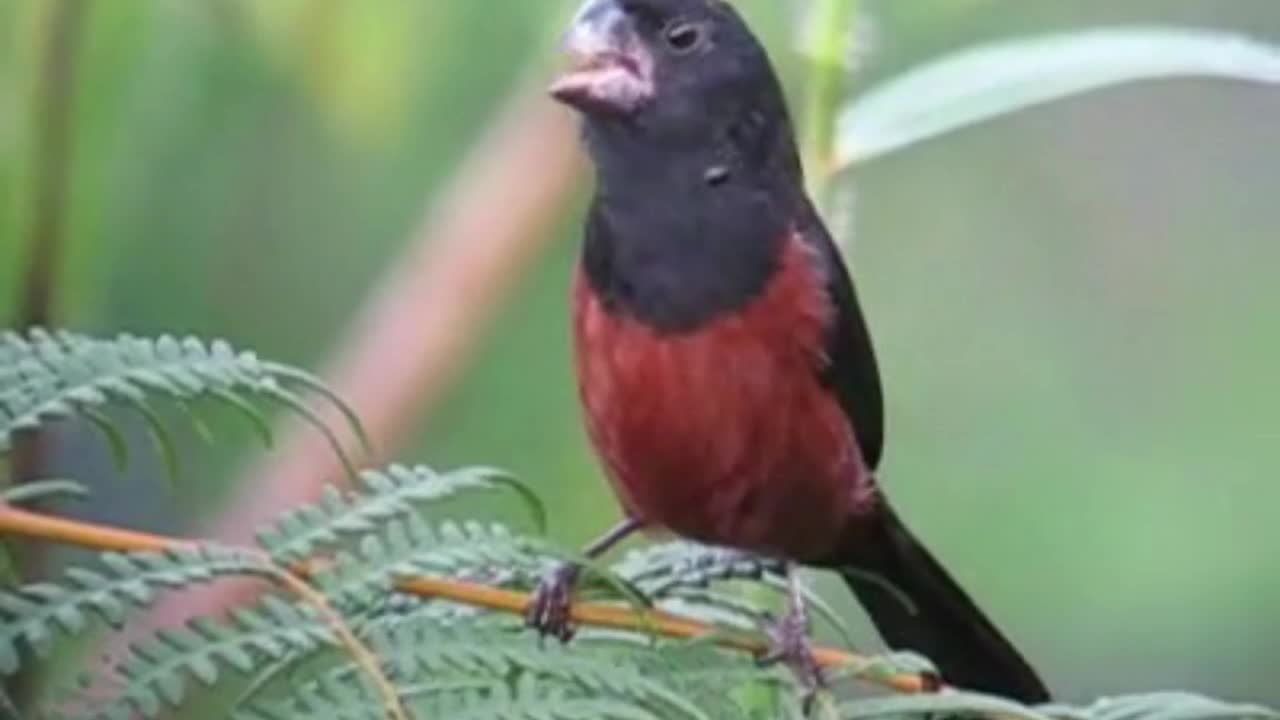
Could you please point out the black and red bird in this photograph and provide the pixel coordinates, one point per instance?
(724, 367)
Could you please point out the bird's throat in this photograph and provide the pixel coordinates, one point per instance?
(678, 258)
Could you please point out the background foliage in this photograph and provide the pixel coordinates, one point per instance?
(1074, 306)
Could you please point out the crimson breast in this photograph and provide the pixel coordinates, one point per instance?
(725, 433)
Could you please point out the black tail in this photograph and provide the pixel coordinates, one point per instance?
(936, 618)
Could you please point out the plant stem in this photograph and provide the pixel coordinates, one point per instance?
(53, 131)
(52, 124)
(829, 32)
(24, 523)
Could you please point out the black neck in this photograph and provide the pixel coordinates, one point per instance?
(681, 233)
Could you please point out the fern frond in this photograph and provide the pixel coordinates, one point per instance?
(391, 615)
(685, 572)
(395, 492)
(33, 613)
(622, 671)
(528, 700)
(491, 688)
(411, 546)
(534, 701)
(339, 699)
(717, 681)
(157, 673)
(658, 569)
(54, 375)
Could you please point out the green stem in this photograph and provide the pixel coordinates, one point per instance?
(828, 35)
(52, 123)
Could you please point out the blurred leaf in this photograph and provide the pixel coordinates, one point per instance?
(41, 490)
(1167, 706)
(950, 703)
(990, 81)
(357, 59)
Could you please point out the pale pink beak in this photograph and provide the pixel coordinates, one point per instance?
(610, 72)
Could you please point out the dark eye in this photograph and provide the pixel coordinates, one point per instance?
(684, 36)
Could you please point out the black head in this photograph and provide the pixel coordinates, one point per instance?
(675, 76)
(698, 181)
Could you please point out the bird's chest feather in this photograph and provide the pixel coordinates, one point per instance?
(723, 432)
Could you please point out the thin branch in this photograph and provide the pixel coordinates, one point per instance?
(828, 35)
(52, 122)
(53, 127)
(24, 523)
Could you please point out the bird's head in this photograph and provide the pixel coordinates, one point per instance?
(673, 74)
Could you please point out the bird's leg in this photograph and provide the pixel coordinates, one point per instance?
(548, 610)
(789, 641)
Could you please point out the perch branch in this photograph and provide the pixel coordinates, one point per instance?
(24, 523)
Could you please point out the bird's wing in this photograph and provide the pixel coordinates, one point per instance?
(850, 369)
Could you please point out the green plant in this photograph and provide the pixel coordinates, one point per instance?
(381, 602)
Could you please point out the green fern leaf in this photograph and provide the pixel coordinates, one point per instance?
(156, 672)
(417, 648)
(411, 546)
(33, 613)
(659, 568)
(527, 698)
(395, 492)
(684, 571)
(54, 375)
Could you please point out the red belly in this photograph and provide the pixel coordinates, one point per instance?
(725, 434)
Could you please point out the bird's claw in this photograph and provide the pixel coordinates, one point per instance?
(548, 609)
(789, 645)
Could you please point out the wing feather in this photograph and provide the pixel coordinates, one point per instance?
(850, 369)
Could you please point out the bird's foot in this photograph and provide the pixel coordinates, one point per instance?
(548, 609)
(789, 645)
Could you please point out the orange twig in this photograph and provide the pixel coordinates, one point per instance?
(621, 618)
(23, 523)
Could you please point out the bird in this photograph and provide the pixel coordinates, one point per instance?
(724, 368)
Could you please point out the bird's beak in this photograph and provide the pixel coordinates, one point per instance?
(611, 71)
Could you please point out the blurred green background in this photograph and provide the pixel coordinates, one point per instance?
(1075, 307)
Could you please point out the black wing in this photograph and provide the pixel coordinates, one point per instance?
(851, 370)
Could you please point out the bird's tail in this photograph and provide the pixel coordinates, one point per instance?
(920, 608)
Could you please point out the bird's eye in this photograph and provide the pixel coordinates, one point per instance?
(684, 37)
